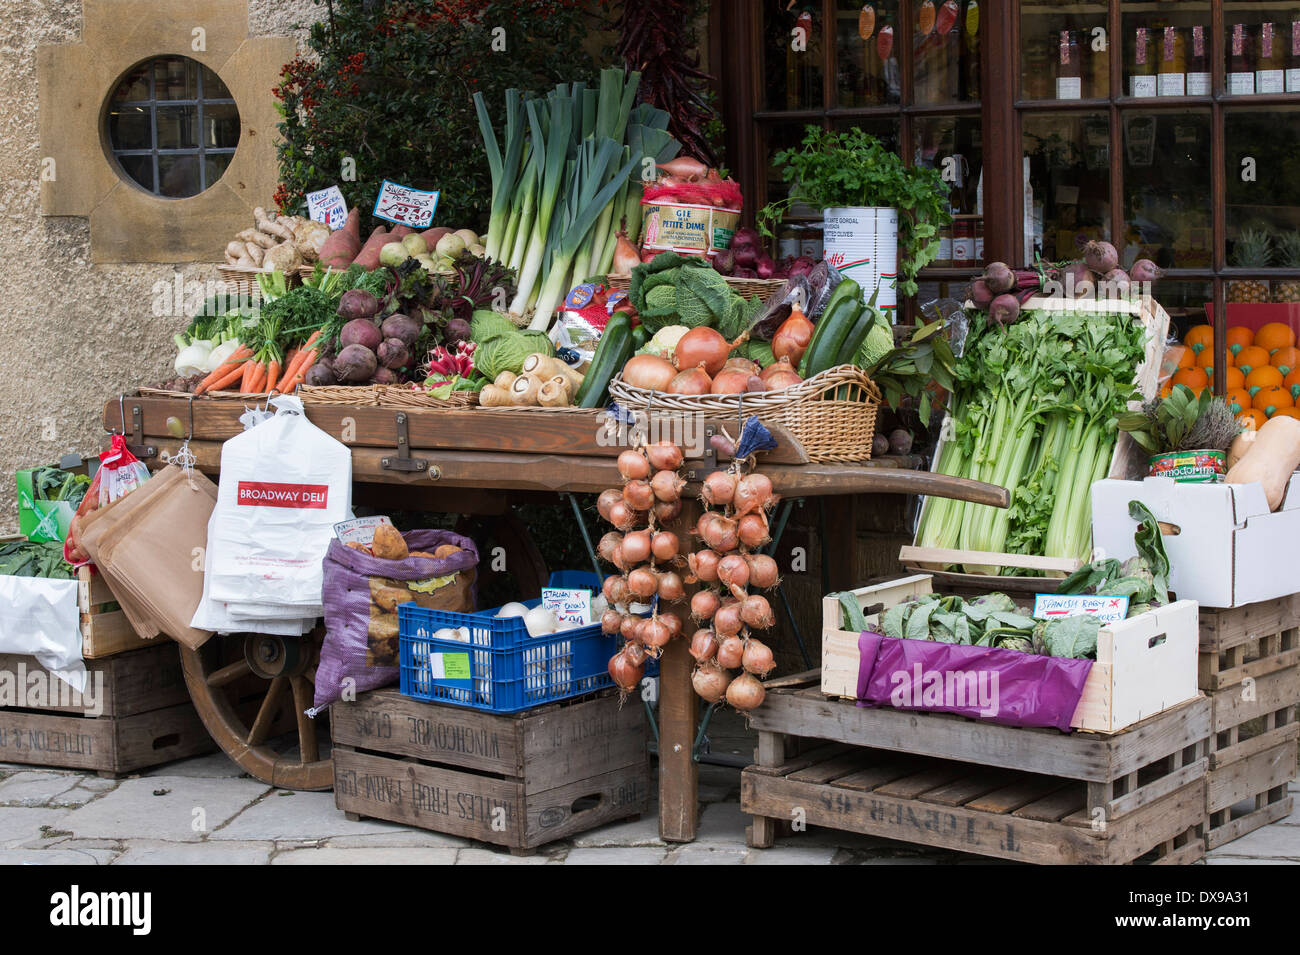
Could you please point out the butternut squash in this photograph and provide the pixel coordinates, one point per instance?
(1240, 445)
(1271, 460)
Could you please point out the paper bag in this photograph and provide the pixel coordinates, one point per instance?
(94, 529)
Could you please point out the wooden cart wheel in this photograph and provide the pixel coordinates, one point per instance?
(251, 691)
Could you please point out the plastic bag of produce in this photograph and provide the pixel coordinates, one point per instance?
(689, 218)
(362, 593)
(120, 472)
(285, 483)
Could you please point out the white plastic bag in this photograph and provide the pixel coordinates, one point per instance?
(40, 617)
(284, 485)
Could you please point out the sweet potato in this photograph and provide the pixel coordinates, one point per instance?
(368, 257)
(431, 236)
(398, 232)
(339, 250)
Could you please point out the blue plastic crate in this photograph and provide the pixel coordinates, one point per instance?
(500, 668)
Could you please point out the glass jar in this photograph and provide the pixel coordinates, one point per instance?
(1069, 65)
(1171, 69)
(963, 244)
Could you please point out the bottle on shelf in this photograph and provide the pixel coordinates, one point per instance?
(1293, 59)
(1171, 76)
(1241, 66)
(1198, 64)
(1270, 62)
(971, 49)
(963, 243)
(1069, 65)
(1142, 68)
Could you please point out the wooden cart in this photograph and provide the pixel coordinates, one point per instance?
(477, 462)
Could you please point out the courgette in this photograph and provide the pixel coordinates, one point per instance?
(640, 336)
(615, 347)
(856, 336)
(828, 337)
(846, 289)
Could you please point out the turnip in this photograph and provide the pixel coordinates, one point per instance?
(393, 254)
(355, 364)
(402, 327)
(361, 331)
(393, 353)
(414, 245)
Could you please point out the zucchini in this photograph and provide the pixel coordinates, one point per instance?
(828, 337)
(615, 347)
(856, 336)
(846, 289)
(640, 336)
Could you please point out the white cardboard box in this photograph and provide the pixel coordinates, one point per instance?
(1228, 548)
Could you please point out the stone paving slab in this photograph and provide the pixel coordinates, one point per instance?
(399, 837)
(37, 789)
(791, 855)
(21, 825)
(283, 814)
(133, 811)
(475, 856)
(393, 856)
(1267, 842)
(212, 766)
(198, 853)
(57, 856)
(695, 854)
(644, 855)
(641, 832)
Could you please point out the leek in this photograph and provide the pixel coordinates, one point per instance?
(504, 168)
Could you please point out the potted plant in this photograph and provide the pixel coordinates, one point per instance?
(882, 218)
(1185, 435)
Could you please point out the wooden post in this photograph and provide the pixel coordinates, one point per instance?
(678, 718)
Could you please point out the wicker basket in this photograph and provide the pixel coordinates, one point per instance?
(831, 429)
(244, 279)
(542, 409)
(745, 288)
(400, 396)
(367, 396)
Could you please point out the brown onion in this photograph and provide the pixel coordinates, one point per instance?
(615, 589)
(636, 547)
(780, 365)
(763, 572)
(792, 338)
(742, 364)
(704, 565)
(720, 534)
(718, 488)
(638, 495)
(607, 544)
(703, 645)
(611, 621)
(672, 621)
(671, 588)
(702, 346)
(745, 692)
(733, 570)
(702, 523)
(726, 622)
(756, 612)
(667, 485)
(710, 681)
(692, 381)
(606, 500)
(643, 582)
(781, 380)
(656, 633)
(622, 516)
(649, 372)
(631, 628)
(625, 674)
(752, 530)
(753, 492)
(664, 455)
(757, 658)
(664, 545)
(704, 604)
(732, 381)
(635, 652)
(620, 561)
(665, 511)
(730, 652)
(633, 465)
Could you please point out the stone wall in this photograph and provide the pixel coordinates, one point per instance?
(77, 333)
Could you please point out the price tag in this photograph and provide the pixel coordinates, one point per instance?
(327, 206)
(406, 206)
(569, 606)
(361, 530)
(449, 666)
(1104, 608)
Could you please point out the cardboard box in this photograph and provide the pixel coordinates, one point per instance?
(1225, 547)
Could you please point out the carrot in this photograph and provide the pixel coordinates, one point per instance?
(247, 378)
(296, 376)
(221, 376)
(257, 382)
(305, 358)
(272, 374)
(231, 378)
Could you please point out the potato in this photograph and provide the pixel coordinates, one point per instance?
(445, 550)
(420, 553)
(388, 543)
(387, 598)
(357, 545)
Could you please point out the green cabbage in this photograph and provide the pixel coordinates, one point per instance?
(760, 352)
(878, 342)
(486, 324)
(503, 353)
(538, 342)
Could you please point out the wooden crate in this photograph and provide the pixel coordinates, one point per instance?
(1137, 673)
(1250, 667)
(517, 780)
(1030, 795)
(136, 714)
(104, 627)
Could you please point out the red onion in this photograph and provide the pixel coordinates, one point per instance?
(756, 612)
(731, 652)
(745, 692)
(718, 488)
(667, 485)
(638, 495)
(664, 456)
(633, 465)
(704, 604)
(763, 572)
(664, 545)
(703, 645)
(710, 682)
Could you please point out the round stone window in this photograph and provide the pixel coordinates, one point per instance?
(172, 126)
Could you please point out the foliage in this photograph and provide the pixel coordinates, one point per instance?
(852, 168)
(909, 368)
(387, 85)
(1182, 422)
(23, 558)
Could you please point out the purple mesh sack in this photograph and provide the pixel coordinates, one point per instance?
(361, 594)
(986, 683)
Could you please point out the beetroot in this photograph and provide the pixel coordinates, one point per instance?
(402, 327)
(999, 278)
(320, 375)
(355, 364)
(457, 330)
(1005, 309)
(1144, 270)
(361, 331)
(980, 294)
(385, 376)
(393, 353)
(357, 303)
(1100, 256)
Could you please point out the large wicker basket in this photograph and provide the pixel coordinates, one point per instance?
(366, 396)
(745, 288)
(832, 414)
(385, 396)
(244, 279)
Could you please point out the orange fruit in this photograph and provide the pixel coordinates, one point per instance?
(1194, 378)
(1252, 356)
(1206, 360)
(1265, 376)
(1252, 420)
(1200, 338)
(1292, 382)
(1235, 378)
(1285, 359)
(1270, 399)
(1239, 400)
(1275, 335)
(1186, 356)
(1166, 390)
(1239, 337)
(1288, 412)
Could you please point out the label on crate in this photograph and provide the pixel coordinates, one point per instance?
(1198, 84)
(572, 607)
(449, 666)
(361, 530)
(406, 206)
(1104, 608)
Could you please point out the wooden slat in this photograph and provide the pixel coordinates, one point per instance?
(910, 787)
(1272, 692)
(847, 763)
(1222, 629)
(961, 791)
(1236, 828)
(1020, 792)
(1053, 807)
(1251, 776)
(939, 557)
(1256, 744)
(888, 769)
(1254, 669)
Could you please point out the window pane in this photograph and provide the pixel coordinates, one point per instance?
(1067, 196)
(134, 86)
(213, 88)
(128, 128)
(1168, 52)
(862, 33)
(214, 166)
(178, 127)
(792, 55)
(954, 146)
(1167, 189)
(945, 53)
(220, 126)
(1064, 50)
(885, 130)
(1262, 153)
(139, 168)
(1259, 48)
(178, 176)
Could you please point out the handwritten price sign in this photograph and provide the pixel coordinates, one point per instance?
(406, 206)
(327, 206)
(1056, 606)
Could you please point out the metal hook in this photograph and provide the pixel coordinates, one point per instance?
(121, 412)
(190, 436)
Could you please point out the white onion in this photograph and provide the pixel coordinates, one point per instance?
(512, 609)
(540, 621)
